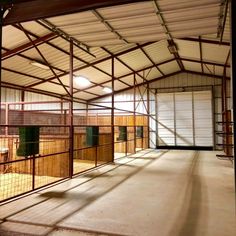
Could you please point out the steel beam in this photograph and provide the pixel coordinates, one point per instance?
(1, 25)
(113, 109)
(44, 59)
(108, 26)
(222, 27)
(28, 10)
(92, 64)
(134, 114)
(200, 49)
(122, 62)
(167, 32)
(71, 135)
(64, 35)
(210, 41)
(29, 45)
(150, 59)
(233, 76)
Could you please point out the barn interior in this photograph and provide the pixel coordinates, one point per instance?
(85, 85)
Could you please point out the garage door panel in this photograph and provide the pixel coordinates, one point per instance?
(189, 117)
(166, 141)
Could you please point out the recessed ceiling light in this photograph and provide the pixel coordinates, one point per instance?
(107, 90)
(40, 65)
(82, 81)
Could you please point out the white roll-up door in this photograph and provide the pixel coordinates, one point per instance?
(203, 118)
(184, 119)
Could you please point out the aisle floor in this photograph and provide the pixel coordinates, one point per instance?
(151, 193)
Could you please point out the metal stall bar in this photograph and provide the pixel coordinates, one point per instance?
(233, 74)
(71, 136)
(1, 25)
(148, 118)
(112, 108)
(134, 114)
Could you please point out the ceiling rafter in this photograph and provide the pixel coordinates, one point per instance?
(150, 59)
(32, 59)
(168, 34)
(21, 73)
(93, 64)
(108, 26)
(82, 46)
(38, 78)
(28, 10)
(28, 45)
(200, 51)
(141, 84)
(160, 78)
(64, 51)
(222, 21)
(39, 91)
(85, 62)
(44, 59)
(140, 70)
(122, 62)
(204, 62)
(210, 41)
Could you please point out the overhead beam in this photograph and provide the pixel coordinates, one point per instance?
(222, 27)
(44, 59)
(122, 62)
(108, 26)
(37, 9)
(210, 41)
(200, 51)
(29, 45)
(64, 35)
(93, 64)
(150, 59)
(168, 33)
(160, 78)
(204, 62)
(141, 84)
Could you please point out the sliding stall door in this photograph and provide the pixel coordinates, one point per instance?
(184, 119)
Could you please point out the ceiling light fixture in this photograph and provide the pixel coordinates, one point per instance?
(6, 13)
(172, 47)
(107, 90)
(81, 81)
(40, 65)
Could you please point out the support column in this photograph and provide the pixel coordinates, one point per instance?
(148, 117)
(23, 106)
(233, 75)
(1, 25)
(71, 128)
(112, 108)
(134, 114)
(156, 121)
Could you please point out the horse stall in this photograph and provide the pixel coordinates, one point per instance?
(40, 147)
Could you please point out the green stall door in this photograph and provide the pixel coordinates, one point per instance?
(122, 133)
(92, 136)
(139, 131)
(28, 141)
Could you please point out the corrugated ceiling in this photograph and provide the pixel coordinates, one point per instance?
(137, 35)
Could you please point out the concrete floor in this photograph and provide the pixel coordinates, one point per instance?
(152, 193)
